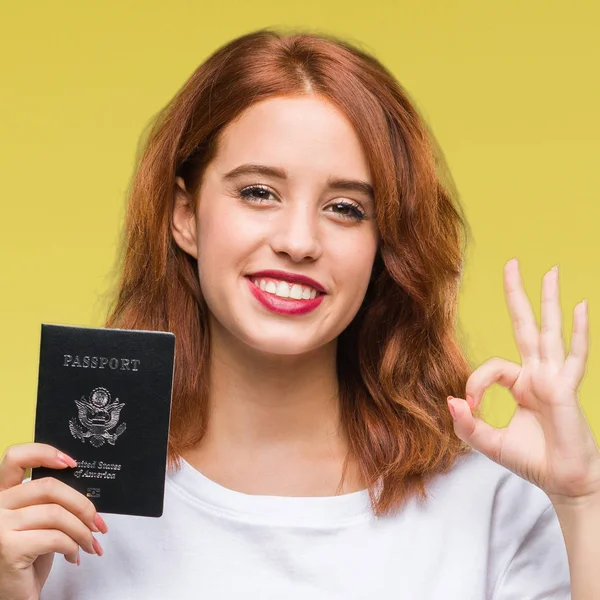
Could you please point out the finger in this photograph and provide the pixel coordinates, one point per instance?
(37, 543)
(475, 432)
(494, 370)
(52, 516)
(552, 345)
(49, 490)
(17, 459)
(525, 325)
(575, 363)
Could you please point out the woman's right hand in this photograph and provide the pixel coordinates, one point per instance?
(38, 518)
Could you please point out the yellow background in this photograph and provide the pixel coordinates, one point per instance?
(509, 88)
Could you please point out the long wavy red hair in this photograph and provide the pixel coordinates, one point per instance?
(400, 357)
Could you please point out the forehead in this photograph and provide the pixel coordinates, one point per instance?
(303, 134)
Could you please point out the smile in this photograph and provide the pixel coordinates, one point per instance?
(283, 297)
(284, 289)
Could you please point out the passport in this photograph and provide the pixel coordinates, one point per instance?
(104, 398)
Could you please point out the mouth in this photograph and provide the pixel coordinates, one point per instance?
(286, 293)
(278, 282)
(285, 289)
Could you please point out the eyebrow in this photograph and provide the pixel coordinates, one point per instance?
(352, 185)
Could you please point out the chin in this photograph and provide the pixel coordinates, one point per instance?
(282, 343)
(277, 346)
(287, 337)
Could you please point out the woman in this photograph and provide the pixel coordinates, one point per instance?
(288, 221)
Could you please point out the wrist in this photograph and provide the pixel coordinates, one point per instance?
(573, 507)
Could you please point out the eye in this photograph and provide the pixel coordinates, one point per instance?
(260, 194)
(348, 210)
(255, 194)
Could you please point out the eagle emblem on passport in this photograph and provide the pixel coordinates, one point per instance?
(97, 417)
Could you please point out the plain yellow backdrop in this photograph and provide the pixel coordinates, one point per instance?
(509, 89)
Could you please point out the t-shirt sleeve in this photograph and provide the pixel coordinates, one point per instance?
(539, 568)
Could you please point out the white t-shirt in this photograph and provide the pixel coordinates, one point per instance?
(484, 534)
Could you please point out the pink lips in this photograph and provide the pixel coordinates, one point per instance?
(286, 306)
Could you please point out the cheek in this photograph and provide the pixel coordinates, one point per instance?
(213, 248)
(352, 257)
(225, 240)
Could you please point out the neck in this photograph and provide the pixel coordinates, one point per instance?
(272, 418)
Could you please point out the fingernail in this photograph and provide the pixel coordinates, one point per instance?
(450, 407)
(67, 460)
(78, 558)
(97, 547)
(100, 523)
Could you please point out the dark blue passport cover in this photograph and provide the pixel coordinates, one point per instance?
(104, 398)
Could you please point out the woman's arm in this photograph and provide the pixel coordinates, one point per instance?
(580, 524)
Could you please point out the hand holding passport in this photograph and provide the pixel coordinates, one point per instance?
(104, 398)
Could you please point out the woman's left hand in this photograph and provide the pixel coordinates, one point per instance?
(548, 441)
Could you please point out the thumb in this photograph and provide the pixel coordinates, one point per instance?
(473, 431)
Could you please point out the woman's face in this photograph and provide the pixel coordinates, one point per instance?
(285, 248)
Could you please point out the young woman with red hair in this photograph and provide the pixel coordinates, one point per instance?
(292, 222)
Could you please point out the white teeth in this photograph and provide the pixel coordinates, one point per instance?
(296, 292)
(283, 289)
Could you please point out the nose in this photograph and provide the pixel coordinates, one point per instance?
(295, 234)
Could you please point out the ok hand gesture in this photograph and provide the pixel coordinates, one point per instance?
(548, 441)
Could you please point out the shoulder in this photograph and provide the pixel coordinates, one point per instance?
(477, 492)
(481, 480)
(525, 546)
